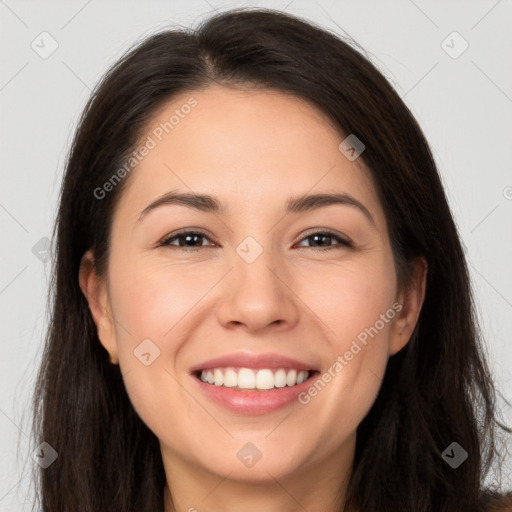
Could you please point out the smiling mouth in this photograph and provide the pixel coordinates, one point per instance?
(245, 379)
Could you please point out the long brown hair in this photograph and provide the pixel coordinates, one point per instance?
(436, 390)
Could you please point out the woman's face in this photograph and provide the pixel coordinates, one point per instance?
(255, 299)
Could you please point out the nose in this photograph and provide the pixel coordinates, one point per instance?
(258, 296)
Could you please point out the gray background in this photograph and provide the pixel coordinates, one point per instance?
(463, 104)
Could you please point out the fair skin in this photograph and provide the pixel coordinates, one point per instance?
(252, 150)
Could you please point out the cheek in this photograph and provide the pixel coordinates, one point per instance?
(154, 302)
(350, 297)
(355, 304)
(153, 298)
(339, 399)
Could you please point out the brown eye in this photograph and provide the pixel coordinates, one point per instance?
(188, 240)
(324, 238)
(192, 240)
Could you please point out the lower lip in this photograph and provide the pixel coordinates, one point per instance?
(253, 402)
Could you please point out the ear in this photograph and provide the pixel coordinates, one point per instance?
(411, 298)
(95, 290)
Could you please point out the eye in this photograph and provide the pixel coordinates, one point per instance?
(325, 237)
(191, 240)
(184, 239)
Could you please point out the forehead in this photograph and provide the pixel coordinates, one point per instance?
(250, 147)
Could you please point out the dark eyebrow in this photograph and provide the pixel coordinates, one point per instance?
(306, 203)
(210, 204)
(201, 202)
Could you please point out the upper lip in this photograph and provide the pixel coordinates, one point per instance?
(257, 361)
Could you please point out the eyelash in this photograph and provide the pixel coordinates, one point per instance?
(343, 242)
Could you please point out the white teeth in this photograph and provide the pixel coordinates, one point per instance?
(248, 378)
(230, 378)
(291, 378)
(302, 376)
(280, 378)
(264, 379)
(219, 378)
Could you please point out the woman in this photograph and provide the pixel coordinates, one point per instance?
(257, 371)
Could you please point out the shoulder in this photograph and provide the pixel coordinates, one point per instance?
(494, 502)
